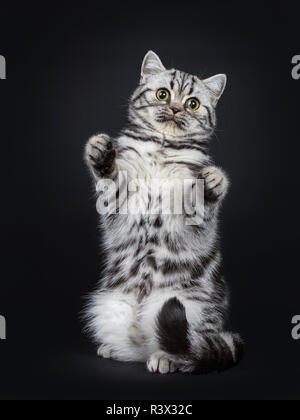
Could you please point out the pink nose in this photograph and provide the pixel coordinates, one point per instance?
(175, 110)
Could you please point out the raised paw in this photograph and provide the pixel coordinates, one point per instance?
(215, 183)
(100, 155)
(104, 351)
(160, 362)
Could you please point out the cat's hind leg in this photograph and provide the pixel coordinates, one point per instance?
(113, 323)
(104, 351)
(161, 362)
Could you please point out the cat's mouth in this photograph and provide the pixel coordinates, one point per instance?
(178, 122)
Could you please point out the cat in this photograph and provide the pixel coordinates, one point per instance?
(162, 299)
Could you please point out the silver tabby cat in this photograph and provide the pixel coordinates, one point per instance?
(162, 299)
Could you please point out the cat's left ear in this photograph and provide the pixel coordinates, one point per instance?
(151, 65)
(216, 85)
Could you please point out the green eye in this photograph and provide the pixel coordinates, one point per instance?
(193, 104)
(163, 95)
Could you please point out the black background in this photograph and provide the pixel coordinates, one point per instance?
(70, 71)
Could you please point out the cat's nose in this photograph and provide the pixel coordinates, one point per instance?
(175, 110)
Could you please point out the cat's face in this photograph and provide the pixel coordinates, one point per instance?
(175, 103)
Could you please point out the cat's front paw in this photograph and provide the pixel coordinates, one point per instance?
(215, 183)
(100, 155)
(159, 362)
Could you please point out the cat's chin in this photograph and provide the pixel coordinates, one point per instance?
(170, 128)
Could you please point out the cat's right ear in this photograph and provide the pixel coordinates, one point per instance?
(151, 65)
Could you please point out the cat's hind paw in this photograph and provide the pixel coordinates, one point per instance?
(104, 351)
(160, 362)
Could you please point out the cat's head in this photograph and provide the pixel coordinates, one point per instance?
(173, 102)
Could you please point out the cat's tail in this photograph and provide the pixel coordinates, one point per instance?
(193, 351)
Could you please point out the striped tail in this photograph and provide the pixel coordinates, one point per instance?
(203, 352)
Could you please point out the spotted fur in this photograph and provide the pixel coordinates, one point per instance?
(162, 298)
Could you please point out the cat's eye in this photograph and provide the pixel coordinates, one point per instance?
(163, 95)
(193, 104)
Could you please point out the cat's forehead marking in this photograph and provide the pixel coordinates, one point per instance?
(182, 82)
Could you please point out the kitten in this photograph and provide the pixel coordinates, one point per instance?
(163, 299)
